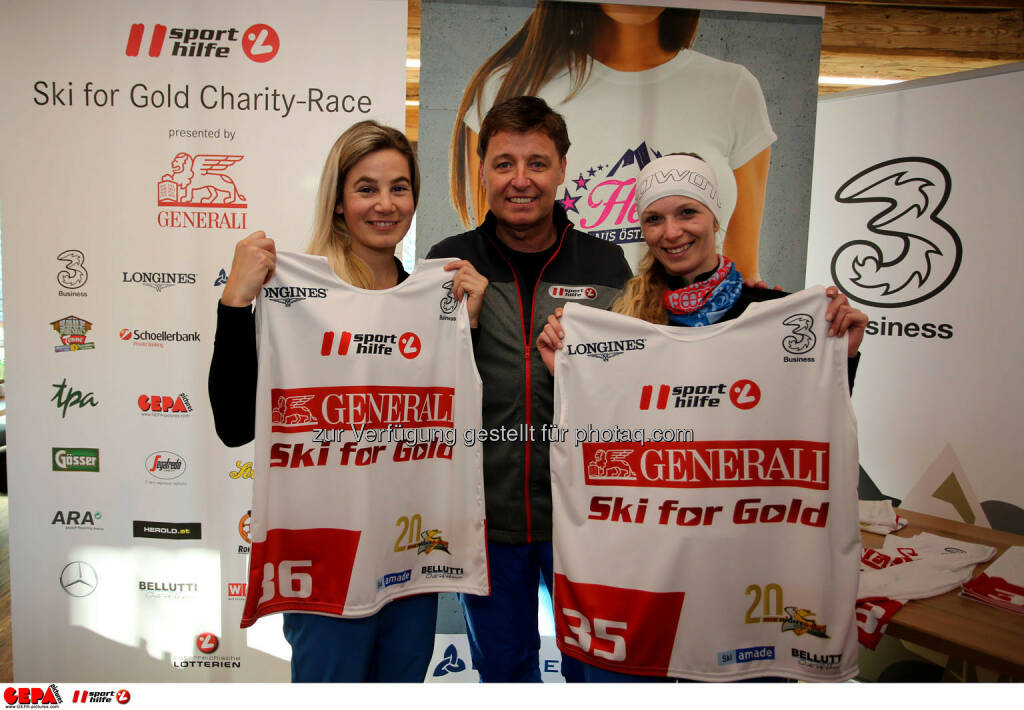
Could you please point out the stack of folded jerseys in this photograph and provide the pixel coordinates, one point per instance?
(878, 516)
(906, 568)
(1002, 584)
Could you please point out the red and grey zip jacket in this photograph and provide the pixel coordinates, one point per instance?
(517, 389)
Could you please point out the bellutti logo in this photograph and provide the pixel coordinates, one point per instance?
(164, 405)
(801, 339)
(156, 338)
(242, 470)
(165, 465)
(72, 331)
(606, 349)
(287, 295)
(73, 275)
(825, 662)
(603, 195)
(74, 460)
(67, 396)
(78, 579)
(207, 643)
(408, 344)
(914, 254)
(169, 590)
(201, 181)
(157, 280)
(32, 697)
(260, 42)
(77, 519)
(573, 293)
(167, 531)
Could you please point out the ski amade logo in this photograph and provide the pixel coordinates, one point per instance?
(259, 42)
(72, 331)
(203, 185)
(911, 254)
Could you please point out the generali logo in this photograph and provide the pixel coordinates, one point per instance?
(201, 181)
(259, 42)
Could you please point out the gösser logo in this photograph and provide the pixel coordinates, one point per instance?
(68, 459)
(207, 643)
(260, 42)
(78, 579)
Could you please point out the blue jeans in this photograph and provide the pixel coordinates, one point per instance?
(392, 646)
(503, 636)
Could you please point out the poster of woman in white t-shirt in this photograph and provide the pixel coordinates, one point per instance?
(630, 90)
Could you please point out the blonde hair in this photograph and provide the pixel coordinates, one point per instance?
(557, 36)
(641, 298)
(331, 237)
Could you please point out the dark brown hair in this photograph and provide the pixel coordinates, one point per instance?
(522, 114)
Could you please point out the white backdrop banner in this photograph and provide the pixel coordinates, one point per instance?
(913, 216)
(140, 141)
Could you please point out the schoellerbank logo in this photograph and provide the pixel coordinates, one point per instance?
(157, 338)
(259, 42)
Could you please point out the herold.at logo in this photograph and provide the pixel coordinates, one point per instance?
(167, 531)
(72, 331)
(259, 42)
(164, 405)
(73, 460)
(204, 184)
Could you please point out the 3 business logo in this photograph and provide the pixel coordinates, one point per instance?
(801, 339)
(73, 274)
(260, 42)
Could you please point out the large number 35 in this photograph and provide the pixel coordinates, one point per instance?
(287, 579)
(602, 629)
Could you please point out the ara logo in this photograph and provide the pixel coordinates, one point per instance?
(451, 663)
(165, 465)
(913, 254)
(72, 331)
(77, 519)
(260, 42)
(73, 274)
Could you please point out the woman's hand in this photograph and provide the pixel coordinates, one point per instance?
(550, 340)
(467, 280)
(845, 318)
(252, 266)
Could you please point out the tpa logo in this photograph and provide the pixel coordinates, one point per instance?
(913, 254)
(67, 396)
(576, 293)
(260, 42)
(207, 643)
(72, 331)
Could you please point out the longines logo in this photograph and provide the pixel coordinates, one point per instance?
(167, 531)
(259, 42)
(287, 295)
(914, 254)
(606, 349)
(78, 579)
(72, 275)
(165, 466)
(201, 181)
(72, 331)
(157, 280)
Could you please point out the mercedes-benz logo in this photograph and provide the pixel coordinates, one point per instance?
(78, 579)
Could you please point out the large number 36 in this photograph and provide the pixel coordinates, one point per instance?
(287, 579)
(602, 629)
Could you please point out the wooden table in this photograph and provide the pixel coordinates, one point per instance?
(950, 624)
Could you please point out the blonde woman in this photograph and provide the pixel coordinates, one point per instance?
(368, 193)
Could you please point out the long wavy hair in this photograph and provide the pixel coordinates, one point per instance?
(331, 237)
(556, 36)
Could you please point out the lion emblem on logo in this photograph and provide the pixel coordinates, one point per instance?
(200, 180)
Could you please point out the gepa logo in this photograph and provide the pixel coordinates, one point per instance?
(164, 405)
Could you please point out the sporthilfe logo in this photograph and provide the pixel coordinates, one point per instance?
(408, 344)
(260, 42)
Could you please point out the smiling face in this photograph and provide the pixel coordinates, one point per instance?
(680, 232)
(521, 173)
(377, 202)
